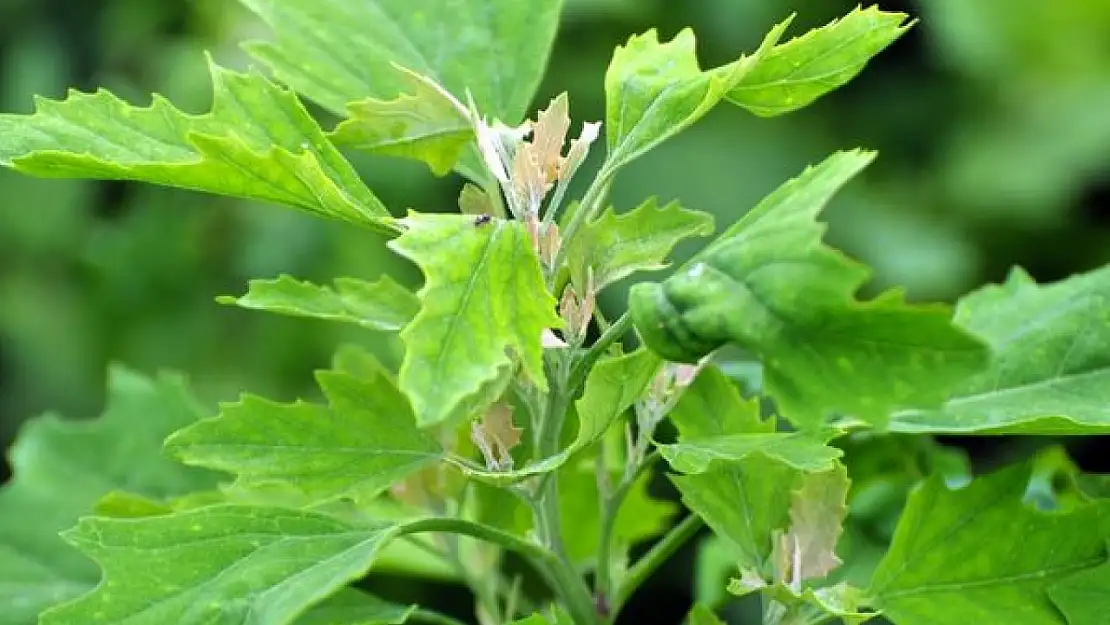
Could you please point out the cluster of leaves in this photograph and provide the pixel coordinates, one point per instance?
(504, 430)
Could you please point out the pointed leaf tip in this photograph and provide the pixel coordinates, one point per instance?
(257, 142)
(795, 73)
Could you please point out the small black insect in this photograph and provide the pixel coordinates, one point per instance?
(482, 219)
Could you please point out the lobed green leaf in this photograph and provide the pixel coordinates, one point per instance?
(654, 90)
(426, 125)
(337, 52)
(981, 555)
(360, 444)
(484, 293)
(793, 74)
(1083, 596)
(61, 468)
(1050, 372)
(615, 246)
(221, 565)
(742, 501)
(383, 305)
(257, 142)
(769, 285)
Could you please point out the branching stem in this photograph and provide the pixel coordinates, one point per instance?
(655, 557)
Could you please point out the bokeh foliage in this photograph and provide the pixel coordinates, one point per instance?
(989, 118)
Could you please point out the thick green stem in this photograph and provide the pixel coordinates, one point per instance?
(551, 428)
(563, 578)
(654, 558)
(611, 335)
(611, 505)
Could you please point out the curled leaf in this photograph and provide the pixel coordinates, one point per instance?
(807, 550)
(496, 435)
(548, 136)
(579, 149)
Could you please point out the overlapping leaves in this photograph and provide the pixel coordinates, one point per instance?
(769, 285)
(61, 468)
(1050, 371)
(655, 90)
(258, 142)
(745, 497)
(982, 555)
(424, 123)
(337, 52)
(360, 444)
(612, 387)
(484, 294)
(221, 564)
(614, 245)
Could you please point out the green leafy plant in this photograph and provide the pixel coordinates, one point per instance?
(511, 427)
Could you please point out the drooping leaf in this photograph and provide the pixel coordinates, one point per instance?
(496, 435)
(549, 133)
(615, 246)
(770, 286)
(981, 555)
(424, 124)
(364, 441)
(337, 52)
(612, 387)
(655, 90)
(258, 142)
(808, 550)
(354, 607)
(483, 294)
(220, 565)
(382, 305)
(793, 74)
(1050, 372)
(60, 470)
(742, 501)
(1083, 597)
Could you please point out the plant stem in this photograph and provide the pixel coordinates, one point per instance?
(562, 577)
(610, 506)
(611, 335)
(551, 428)
(656, 556)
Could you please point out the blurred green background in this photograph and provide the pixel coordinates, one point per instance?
(992, 118)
